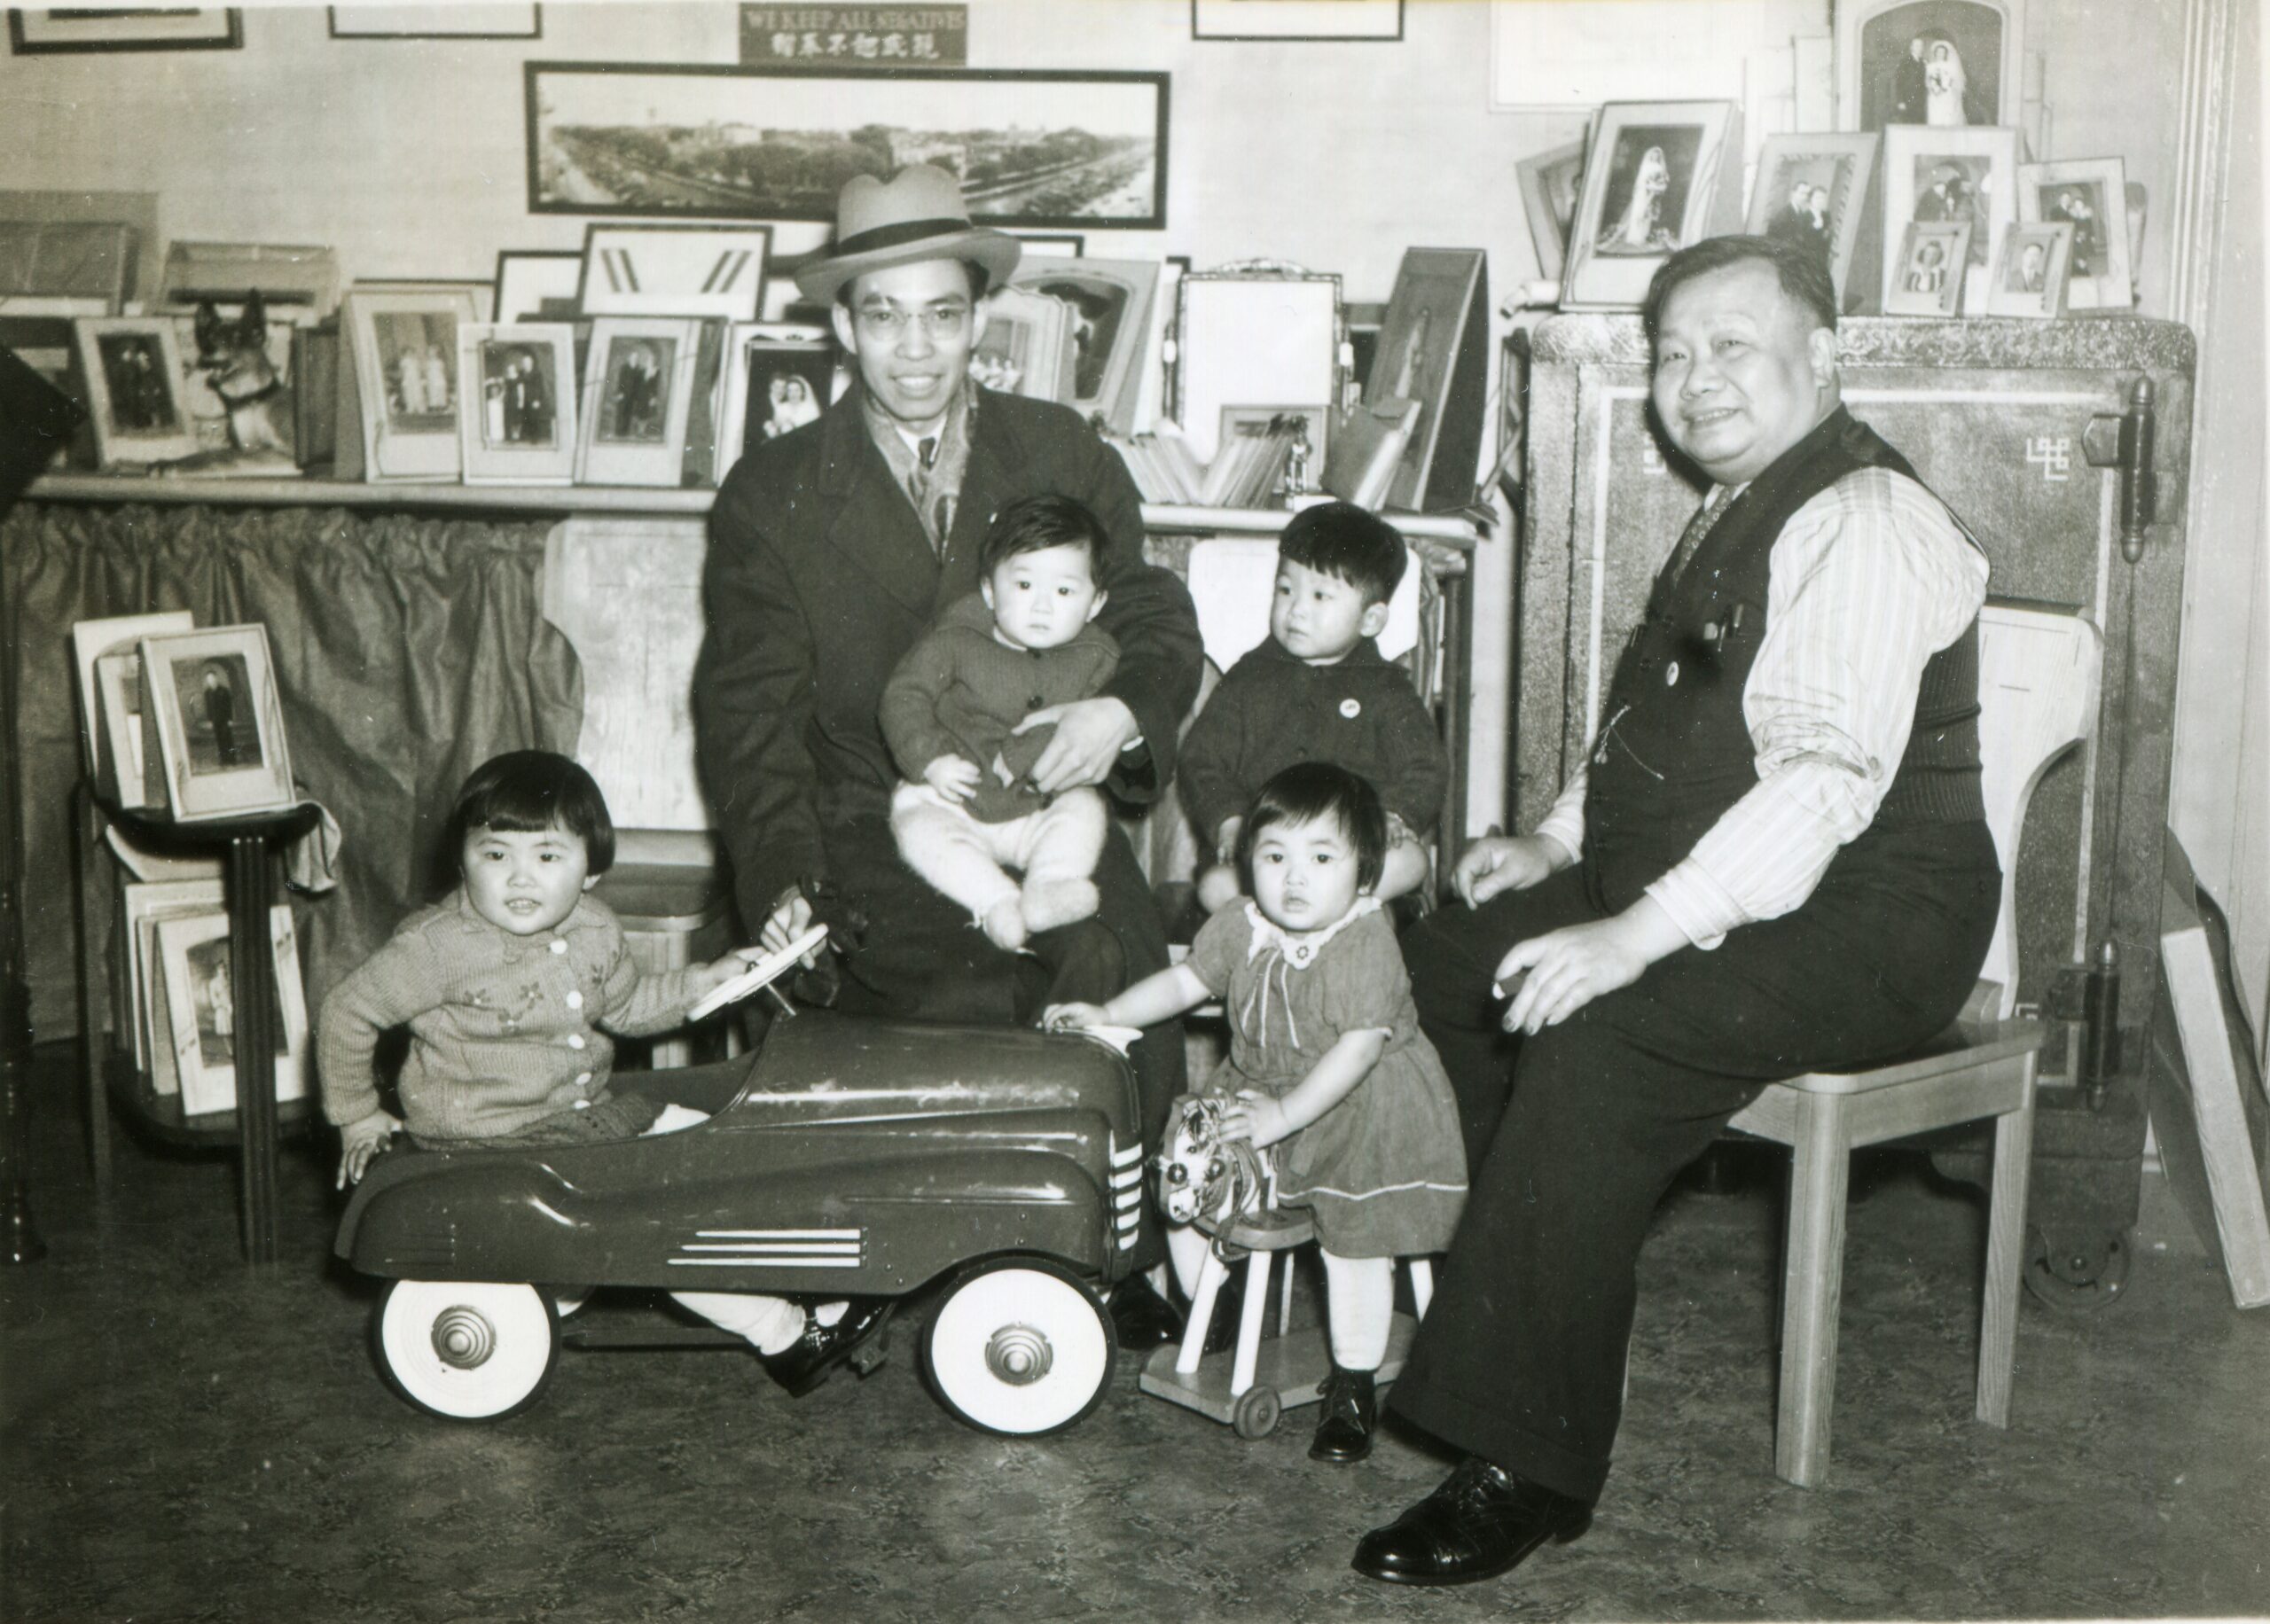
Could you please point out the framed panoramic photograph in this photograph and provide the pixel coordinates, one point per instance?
(137, 389)
(1111, 302)
(1936, 174)
(1943, 63)
(2091, 195)
(1033, 149)
(779, 377)
(1816, 192)
(537, 285)
(492, 19)
(2030, 269)
(1549, 183)
(90, 640)
(1927, 274)
(516, 415)
(1249, 338)
(405, 345)
(1296, 19)
(1657, 177)
(216, 722)
(199, 1033)
(675, 271)
(145, 28)
(636, 401)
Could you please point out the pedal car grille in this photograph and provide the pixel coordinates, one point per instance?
(1126, 1191)
(772, 1249)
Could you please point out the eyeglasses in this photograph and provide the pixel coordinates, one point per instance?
(885, 322)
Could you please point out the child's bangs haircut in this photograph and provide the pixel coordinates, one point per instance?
(524, 791)
(1035, 524)
(1349, 543)
(1313, 790)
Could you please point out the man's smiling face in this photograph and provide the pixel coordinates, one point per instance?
(1744, 371)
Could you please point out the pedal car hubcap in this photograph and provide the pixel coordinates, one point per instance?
(463, 1339)
(1018, 1355)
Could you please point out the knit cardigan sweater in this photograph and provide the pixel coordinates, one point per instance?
(504, 1030)
(961, 692)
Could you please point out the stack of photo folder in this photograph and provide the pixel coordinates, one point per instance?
(1248, 471)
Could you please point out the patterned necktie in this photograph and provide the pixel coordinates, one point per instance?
(1691, 538)
(937, 519)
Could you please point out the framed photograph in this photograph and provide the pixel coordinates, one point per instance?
(537, 285)
(1111, 302)
(638, 397)
(516, 417)
(1657, 177)
(1550, 182)
(200, 1030)
(2031, 265)
(1430, 353)
(148, 27)
(1028, 346)
(92, 639)
(405, 345)
(1815, 192)
(1941, 63)
(675, 271)
(1932, 175)
(216, 722)
(779, 377)
(489, 20)
(141, 905)
(1052, 245)
(1243, 337)
(125, 778)
(1296, 19)
(1927, 275)
(132, 366)
(1033, 149)
(2091, 195)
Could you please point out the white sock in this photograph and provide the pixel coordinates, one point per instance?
(829, 1313)
(769, 1323)
(1359, 1306)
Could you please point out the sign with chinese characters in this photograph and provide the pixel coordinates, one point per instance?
(835, 37)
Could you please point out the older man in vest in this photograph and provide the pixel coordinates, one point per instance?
(1775, 860)
(830, 549)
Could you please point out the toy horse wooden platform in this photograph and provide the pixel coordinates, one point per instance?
(1228, 1190)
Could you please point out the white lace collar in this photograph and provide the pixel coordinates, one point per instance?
(1299, 949)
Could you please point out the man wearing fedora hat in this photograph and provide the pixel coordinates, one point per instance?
(831, 549)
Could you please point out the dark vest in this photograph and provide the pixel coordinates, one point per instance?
(1674, 753)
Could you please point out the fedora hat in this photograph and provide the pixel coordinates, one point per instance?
(917, 214)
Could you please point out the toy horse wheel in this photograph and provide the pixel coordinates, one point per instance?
(466, 1350)
(1257, 1412)
(1020, 1348)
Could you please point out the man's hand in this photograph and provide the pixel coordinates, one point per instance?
(1089, 734)
(953, 776)
(791, 918)
(1500, 863)
(1567, 968)
(359, 1143)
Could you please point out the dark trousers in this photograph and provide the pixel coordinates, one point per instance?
(1574, 1135)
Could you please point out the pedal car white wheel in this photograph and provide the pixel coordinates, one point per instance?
(466, 1350)
(1019, 1348)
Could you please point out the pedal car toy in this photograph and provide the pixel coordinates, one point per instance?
(858, 1158)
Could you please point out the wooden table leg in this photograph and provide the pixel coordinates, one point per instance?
(251, 956)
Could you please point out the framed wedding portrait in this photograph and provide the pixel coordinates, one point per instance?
(1816, 191)
(217, 721)
(2030, 269)
(1944, 63)
(1932, 175)
(2091, 195)
(1927, 274)
(636, 401)
(516, 418)
(1653, 183)
(779, 377)
(136, 390)
(674, 270)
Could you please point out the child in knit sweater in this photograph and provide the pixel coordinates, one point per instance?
(955, 713)
(509, 986)
(1317, 689)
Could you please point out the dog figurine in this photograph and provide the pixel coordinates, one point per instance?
(233, 356)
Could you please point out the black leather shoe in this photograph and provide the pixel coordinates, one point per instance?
(805, 1363)
(1479, 1524)
(1352, 1409)
(1142, 1318)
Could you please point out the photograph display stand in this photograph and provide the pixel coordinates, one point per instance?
(1434, 352)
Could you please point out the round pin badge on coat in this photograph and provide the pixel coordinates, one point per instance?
(1351, 708)
(1671, 675)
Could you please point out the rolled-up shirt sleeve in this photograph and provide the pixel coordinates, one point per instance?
(1867, 582)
